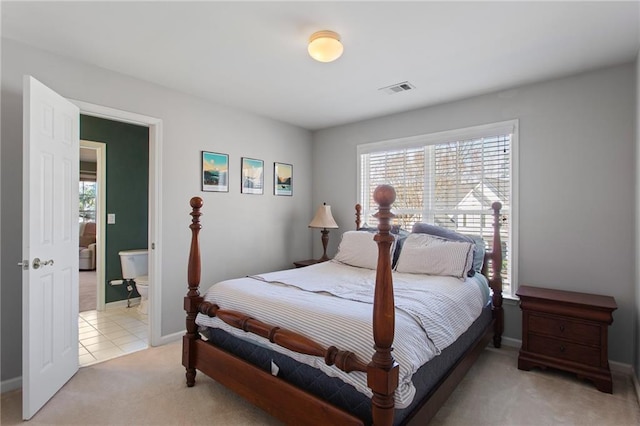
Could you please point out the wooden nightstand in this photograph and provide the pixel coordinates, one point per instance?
(308, 262)
(568, 331)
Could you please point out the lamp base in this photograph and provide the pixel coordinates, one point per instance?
(325, 242)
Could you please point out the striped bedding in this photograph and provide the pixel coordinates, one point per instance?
(332, 303)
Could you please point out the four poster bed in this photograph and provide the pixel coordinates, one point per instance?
(301, 344)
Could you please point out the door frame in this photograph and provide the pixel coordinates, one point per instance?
(101, 202)
(155, 202)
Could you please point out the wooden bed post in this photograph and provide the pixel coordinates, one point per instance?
(358, 216)
(496, 277)
(382, 372)
(193, 299)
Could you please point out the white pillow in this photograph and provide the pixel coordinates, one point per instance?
(358, 248)
(426, 254)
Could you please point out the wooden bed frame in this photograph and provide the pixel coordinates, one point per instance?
(296, 406)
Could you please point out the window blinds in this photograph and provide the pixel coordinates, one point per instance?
(451, 184)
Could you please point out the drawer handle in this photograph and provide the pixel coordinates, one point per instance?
(561, 327)
(562, 348)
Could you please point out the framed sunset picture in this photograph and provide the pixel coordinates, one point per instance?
(215, 172)
(252, 176)
(282, 179)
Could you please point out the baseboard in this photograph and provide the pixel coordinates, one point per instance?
(11, 384)
(636, 383)
(134, 301)
(512, 343)
(170, 338)
(621, 368)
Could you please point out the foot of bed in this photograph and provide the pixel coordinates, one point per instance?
(191, 377)
(497, 341)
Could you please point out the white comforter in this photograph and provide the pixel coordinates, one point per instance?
(332, 304)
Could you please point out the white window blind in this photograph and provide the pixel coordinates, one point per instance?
(448, 181)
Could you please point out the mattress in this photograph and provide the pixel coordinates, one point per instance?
(336, 391)
(331, 303)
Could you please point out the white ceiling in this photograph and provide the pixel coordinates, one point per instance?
(252, 55)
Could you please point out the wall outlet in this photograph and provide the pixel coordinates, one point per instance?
(111, 218)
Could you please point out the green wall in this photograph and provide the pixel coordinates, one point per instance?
(127, 195)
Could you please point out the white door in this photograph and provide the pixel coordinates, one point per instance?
(51, 126)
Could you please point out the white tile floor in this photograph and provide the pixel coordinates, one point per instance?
(112, 333)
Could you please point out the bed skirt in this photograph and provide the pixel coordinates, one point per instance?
(335, 390)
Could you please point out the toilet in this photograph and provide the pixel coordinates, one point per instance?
(135, 266)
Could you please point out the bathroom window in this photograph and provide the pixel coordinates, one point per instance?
(87, 201)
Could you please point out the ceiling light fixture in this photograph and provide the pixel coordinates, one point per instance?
(325, 46)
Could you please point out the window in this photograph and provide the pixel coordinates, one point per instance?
(87, 199)
(449, 179)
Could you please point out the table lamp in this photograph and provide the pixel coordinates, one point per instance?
(323, 219)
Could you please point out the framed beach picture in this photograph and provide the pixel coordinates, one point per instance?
(282, 179)
(215, 172)
(252, 176)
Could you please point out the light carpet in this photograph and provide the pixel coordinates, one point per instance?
(148, 388)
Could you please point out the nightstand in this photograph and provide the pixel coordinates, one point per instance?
(568, 331)
(308, 262)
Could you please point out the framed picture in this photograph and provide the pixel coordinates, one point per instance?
(252, 176)
(215, 172)
(282, 179)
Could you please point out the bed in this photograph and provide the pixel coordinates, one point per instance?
(342, 366)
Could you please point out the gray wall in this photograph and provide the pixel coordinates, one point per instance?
(637, 259)
(236, 231)
(576, 182)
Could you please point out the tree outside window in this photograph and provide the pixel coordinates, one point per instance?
(87, 201)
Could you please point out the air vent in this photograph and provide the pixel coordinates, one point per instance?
(398, 87)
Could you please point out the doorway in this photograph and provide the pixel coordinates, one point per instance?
(154, 126)
(102, 333)
(120, 327)
(92, 196)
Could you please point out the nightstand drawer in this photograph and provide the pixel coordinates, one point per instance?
(588, 334)
(565, 350)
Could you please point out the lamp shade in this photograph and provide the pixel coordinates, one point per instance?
(325, 46)
(323, 218)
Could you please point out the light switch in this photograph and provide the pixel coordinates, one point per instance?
(111, 218)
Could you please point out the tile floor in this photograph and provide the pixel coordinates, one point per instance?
(112, 333)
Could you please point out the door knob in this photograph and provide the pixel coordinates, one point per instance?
(37, 263)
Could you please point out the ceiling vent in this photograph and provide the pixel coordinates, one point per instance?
(398, 87)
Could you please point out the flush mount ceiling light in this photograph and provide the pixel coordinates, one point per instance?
(325, 46)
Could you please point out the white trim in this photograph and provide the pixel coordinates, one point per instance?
(101, 168)
(11, 384)
(511, 342)
(515, 206)
(170, 338)
(621, 368)
(482, 130)
(155, 202)
(636, 383)
(155, 246)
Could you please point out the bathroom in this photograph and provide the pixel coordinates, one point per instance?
(114, 325)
